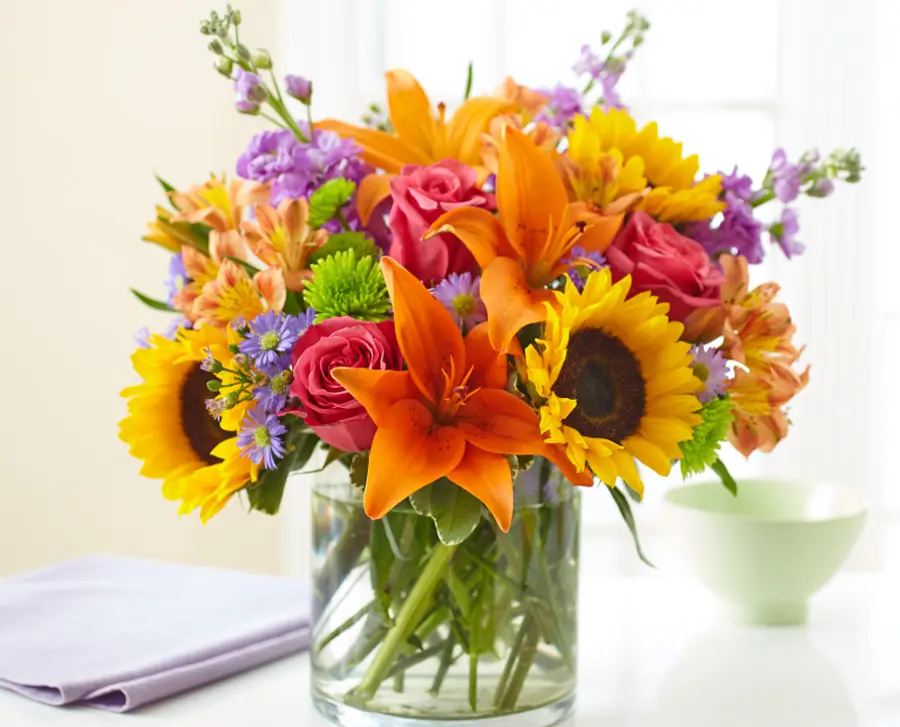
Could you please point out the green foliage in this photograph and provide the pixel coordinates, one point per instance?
(356, 241)
(720, 469)
(628, 517)
(345, 285)
(326, 202)
(455, 512)
(702, 450)
(359, 469)
(265, 495)
(152, 302)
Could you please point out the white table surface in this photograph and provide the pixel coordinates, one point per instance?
(654, 651)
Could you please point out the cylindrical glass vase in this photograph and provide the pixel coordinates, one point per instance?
(409, 630)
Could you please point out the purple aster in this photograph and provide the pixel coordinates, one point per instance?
(785, 177)
(261, 437)
(783, 233)
(177, 277)
(271, 336)
(175, 325)
(575, 274)
(215, 408)
(461, 295)
(740, 185)
(273, 395)
(249, 90)
(142, 337)
(710, 367)
(298, 87)
(563, 104)
(589, 63)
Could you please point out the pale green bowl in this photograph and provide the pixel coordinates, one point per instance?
(766, 551)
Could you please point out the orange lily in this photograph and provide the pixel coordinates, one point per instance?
(449, 415)
(421, 136)
(529, 243)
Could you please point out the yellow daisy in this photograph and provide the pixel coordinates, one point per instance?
(614, 380)
(169, 428)
(613, 165)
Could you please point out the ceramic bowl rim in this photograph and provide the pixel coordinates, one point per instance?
(860, 508)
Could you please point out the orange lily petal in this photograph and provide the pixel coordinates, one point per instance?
(556, 453)
(478, 230)
(600, 233)
(426, 333)
(488, 365)
(487, 477)
(270, 285)
(510, 303)
(376, 390)
(498, 421)
(410, 111)
(530, 195)
(380, 149)
(373, 190)
(429, 453)
(468, 123)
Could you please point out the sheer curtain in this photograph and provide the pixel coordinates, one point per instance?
(732, 81)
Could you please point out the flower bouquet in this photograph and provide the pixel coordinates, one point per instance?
(458, 317)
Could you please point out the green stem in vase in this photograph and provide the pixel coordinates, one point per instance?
(407, 620)
(526, 625)
(344, 626)
(444, 665)
(526, 658)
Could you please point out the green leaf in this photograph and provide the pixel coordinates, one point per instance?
(455, 512)
(327, 200)
(359, 470)
(167, 188)
(720, 469)
(251, 269)
(356, 241)
(334, 454)
(382, 559)
(628, 517)
(152, 302)
(268, 491)
(468, 82)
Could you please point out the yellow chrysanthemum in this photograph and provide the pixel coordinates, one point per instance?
(613, 165)
(615, 380)
(169, 428)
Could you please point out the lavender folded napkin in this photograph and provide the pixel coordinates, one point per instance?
(117, 633)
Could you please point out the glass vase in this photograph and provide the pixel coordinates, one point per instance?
(409, 630)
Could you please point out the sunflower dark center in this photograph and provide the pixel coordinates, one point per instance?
(604, 377)
(199, 427)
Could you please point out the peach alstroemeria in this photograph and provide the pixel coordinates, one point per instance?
(448, 415)
(421, 136)
(543, 135)
(234, 294)
(217, 203)
(529, 243)
(528, 101)
(283, 239)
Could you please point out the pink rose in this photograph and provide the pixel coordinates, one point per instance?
(420, 196)
(676, 269)
(326, 406)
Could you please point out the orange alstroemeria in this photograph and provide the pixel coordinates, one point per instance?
(233, 293)
(529, 243)
(283, 239)
(421, 136)
(448, 415)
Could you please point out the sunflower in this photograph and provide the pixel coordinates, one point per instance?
(614, 380)
(609, 160)
(169, 428)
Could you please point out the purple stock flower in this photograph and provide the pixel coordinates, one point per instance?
(575, 273)
(740, 185)
(177, 277)
(250, 91)
(589, 63)
(298, 87)
(738, 233)
(296, 169)
(261, 437)
(710, 367)
(821, 188)
(461, 295)
(785, 177)
(563, 104)
(271, 336)
(784, 233)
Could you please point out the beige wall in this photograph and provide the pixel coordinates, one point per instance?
(96, 96)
